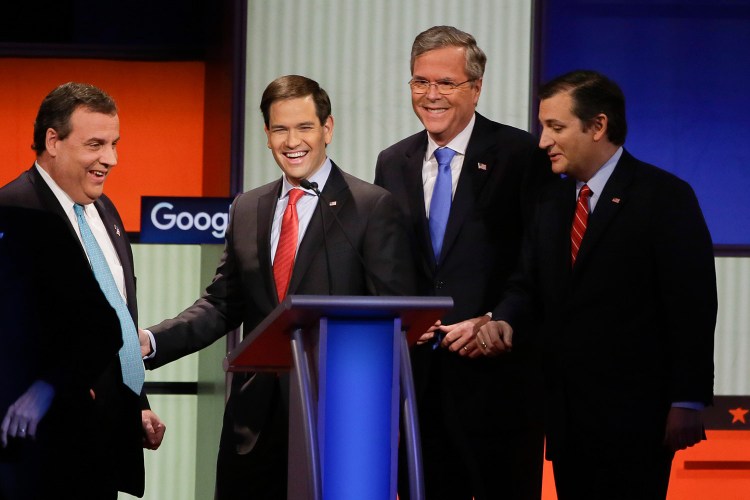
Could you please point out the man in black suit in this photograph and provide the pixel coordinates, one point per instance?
(255, 273)
(58, 333)
(492, 179)
(619, 266)
(75, 137)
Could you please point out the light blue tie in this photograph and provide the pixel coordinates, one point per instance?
(130, 353)
(440, 205)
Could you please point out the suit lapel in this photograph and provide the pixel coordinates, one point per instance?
(265, 213)
(477, 166)
(336, 190)
(610, 202)
(415, 193)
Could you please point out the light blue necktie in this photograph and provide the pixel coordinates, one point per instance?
(440, 205)
(130, 353)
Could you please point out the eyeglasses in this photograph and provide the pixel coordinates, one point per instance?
(444, 88)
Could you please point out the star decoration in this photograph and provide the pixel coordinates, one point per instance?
(738, 414)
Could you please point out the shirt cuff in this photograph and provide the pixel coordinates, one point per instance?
(152, 341)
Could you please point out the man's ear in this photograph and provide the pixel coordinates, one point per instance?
(50, 142)
(599, 125)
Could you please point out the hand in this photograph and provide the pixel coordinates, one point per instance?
(495, 337)
(153, 430)
(459, 337)
(684, 428)
(429, 334)
(145, 340)
(24, 414)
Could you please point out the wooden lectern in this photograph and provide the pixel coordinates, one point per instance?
(347, 357)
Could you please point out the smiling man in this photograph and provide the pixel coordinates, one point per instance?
(618, 266)
(465, 186)
(275, 247)
(76, 132)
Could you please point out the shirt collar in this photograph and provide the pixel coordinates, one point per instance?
(457, 144)
(600, 178)
(320, 177)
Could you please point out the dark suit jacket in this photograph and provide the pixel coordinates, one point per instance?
(501, 173)
(56, 326)
(243, 290)
(117, 408)
(629, 329)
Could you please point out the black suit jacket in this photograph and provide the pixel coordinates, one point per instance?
(117, 408)
(502, 171)
(55, 326)
(243, 290)
(629, 329)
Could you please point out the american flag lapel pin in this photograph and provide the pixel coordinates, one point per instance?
(117, 230)
(482, 166)
(331, 203)
(615, 200)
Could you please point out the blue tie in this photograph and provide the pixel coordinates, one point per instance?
(440, 205)
(130, 353)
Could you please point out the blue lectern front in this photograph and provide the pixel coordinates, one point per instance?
(348, 357)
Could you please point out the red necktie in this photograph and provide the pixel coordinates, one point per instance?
(579, 222)
(283, 262)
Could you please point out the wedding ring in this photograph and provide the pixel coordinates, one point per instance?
(466, 349)
(484, 346)
(22, 430)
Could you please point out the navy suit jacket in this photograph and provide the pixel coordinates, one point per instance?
(117, 408)
(629, 329)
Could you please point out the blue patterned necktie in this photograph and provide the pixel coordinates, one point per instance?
(440, 205)
(130, 353)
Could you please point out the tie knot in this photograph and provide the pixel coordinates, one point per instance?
(295, 195)
(585, 192)
(78, 209)
(444, 156)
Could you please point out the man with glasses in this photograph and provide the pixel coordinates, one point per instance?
(466, 186)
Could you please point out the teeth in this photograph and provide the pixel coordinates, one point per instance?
(98, 174)
(296, 155)
(436, 111)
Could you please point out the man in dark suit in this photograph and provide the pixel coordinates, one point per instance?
(619, 266)
(75, 137)
(261, 265)
(492, 177)
(58, 333)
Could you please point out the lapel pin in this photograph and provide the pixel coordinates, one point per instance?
(615, 200)
(482, 166)
(331, 203)
(117, 230)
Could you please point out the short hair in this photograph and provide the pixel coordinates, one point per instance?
(592, 94)
(292, 87)
(57, 108)
(438, 37)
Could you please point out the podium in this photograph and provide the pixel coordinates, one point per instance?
(347, 358)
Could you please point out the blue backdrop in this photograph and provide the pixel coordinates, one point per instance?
(685, 69)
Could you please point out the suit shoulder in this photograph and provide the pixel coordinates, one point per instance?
(252, 195)
(360, 188)
(506, 134)
(18, 192)
(404, 146)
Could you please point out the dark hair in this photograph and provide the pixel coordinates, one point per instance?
(592, 94)
(291, 87)
(59, 105)
(438, 37)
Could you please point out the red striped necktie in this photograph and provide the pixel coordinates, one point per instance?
(580, 220)
(283, 262)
